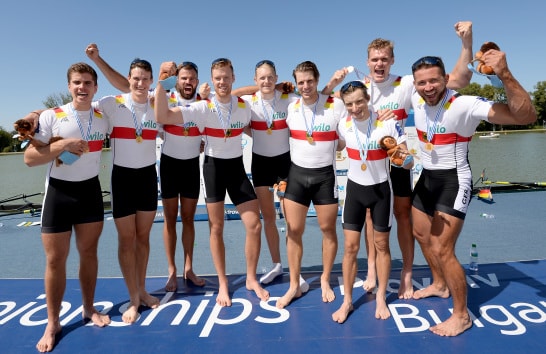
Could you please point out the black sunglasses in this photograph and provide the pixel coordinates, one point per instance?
(268, 62)
(140, 61)
(356, 84)
(190, 64)
(221, 60)
(434, 61)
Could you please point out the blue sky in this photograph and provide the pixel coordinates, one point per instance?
(40, 39)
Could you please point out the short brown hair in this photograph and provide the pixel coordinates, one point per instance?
(81, 68)
(306, 66)
(380, 43)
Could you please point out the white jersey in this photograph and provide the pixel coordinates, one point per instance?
(269, 130)
(126, 118)
(222, 127)
(358, 135)
(394, 94)
(181, 141)
(313, 131)
(449, 126)
(65, 122)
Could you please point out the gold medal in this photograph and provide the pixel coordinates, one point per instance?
(310, 139)
(363, 167)
(429, 146)
(227, 134)
(269, 131)
(186, 131)
(138, 139)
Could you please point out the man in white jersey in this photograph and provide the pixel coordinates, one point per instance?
(73, 197)
(134, 181)
(180, 176)
(312, 121)
(179, 163)
(390, 91)
(270, 152)
(445, 125)
(368, 187)
(222, 121)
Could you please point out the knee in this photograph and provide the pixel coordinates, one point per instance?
(382, 246)
(352, 249)
(253, 227)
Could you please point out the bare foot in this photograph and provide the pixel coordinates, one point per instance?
(260, 292)
(172, 283)
(381, 309)
(131, 314)
(328, 294)
(47, 342)
(406, 286)
(190, 275)
(430, 291)
(98, 319)
(287, 298)
(223, 298)
(343, 312)
(369, 283)
(149, 300)
(453, 326)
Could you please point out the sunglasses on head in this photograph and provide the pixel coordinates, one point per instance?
(221, 60)
(268, 62)
(140, 61)
(190, 64)
(435, 61)
(356, 84)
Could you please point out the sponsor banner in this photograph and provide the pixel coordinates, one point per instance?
(507, 302)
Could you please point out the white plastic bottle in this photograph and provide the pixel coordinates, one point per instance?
(473, 258)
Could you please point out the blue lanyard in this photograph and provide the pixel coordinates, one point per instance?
(363, 149)
(267, 116)
(309, 131)
(225, 124)
(430, 134)
(89, 125)
(138, 127)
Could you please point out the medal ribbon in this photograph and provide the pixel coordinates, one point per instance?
(430, 134)
(363, 149)
(89, 125)
(138, 127)
(309, 131)
(225, 124)
(267, 116)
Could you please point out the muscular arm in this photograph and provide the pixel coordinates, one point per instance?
(39, 153)
(284, 86)
(335, 80)
(117, 80)
(460, 76)
(519, 108)
(164, 114)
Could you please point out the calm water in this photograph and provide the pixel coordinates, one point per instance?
(512, 157)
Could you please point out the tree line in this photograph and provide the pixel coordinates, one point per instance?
(9, 144)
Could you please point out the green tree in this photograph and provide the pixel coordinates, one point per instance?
(539, 101)
(6, 141)
(57, 99)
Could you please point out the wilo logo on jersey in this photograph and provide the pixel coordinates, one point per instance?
(201, 313)
(390, 105)
(322, 127)
(150, 124)
(96, 136)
